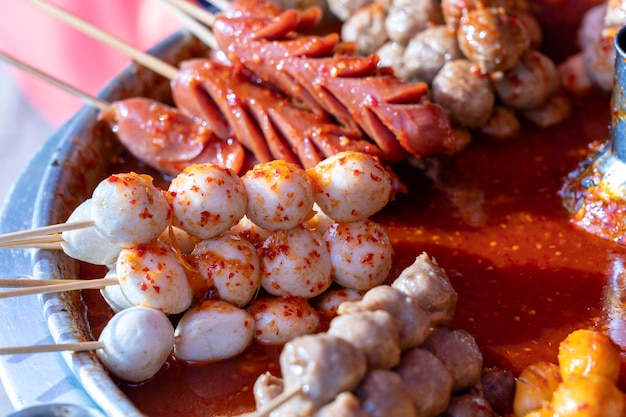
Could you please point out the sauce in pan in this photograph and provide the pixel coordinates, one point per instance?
(492, 218)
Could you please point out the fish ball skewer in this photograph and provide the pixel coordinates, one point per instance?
(280, 196)
(213, 330)
(137, 342)
(207, 199)
(281, 319)
(231, 265)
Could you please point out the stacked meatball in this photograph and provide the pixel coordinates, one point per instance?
(390, 353)
(480, 58)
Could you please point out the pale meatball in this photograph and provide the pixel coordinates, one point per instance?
(459, 353)
(266, 388)
(361, 254)
(295, 263)
(412, 321)
(207, 199)
(428, 284)
(86, 244)
(137, 342)
(246, 229)
(428, 51)
(183, 241)
(281, 319)
(345, 404)
(366, 28)
(320, 220)
(151, 275)
(329, 301)
(382, 394)
(213, 330)
(325, 364)
(350, 186)
(529, 84)
(391, 55)
(113, 295)
(406, 18)
(374, 333)
(128, 209)
(464, 93)
(426, 380)
(231, 265)
(280, 196)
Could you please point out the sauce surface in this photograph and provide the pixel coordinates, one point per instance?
(492, 218)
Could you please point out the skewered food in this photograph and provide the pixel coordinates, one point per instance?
(281, 319)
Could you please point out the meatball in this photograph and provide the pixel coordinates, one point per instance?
(554, 111)
(391, 55)
(325, 364)
(345, 404)
(426, 380)
(427, 52)
(406, 18)
(343, 9)
(413, 323)
(366, 28)
(502, 124)
(329, 301)
(383, 395)
(281, 319)
(469, 405)
(492, 39)
(465, 94)
(266, 388)
(428, 284)
(459, 353)
(373, 332)
(498, 387)
(529, 84)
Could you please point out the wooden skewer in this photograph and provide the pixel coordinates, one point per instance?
(197, 12)
(181, 9)
(160, 67)
(75, 347)
(30, 282)
(25, 236)
(64, 286)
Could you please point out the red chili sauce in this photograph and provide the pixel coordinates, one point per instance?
(492, 218)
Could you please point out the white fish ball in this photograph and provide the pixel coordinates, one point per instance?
(86, 244)
(114, 296)
(137, 342)
(180, 239)
(207, 199)
(360, 254)
(295, 263)
(151, 275)
(279, 195)
(320, 220)
(250, 231)
(329, 301)
(231, 264)
(213, 330)
(281, 319)
(350, 186)
(129, 210)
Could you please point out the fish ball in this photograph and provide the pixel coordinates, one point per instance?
(295, 263)
(280, 196)
(114, 296)
(129, 210)
(86, 244)
(231, 265)
(137, 342)
(150, 275)
(350, 186)
(360, 254)
(281, 319)
(213, 330)
(207, 199)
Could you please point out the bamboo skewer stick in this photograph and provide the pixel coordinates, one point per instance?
(30, 282)
(197, 12)
(166, 70)
(26, 237)
(76, 347)
(194, 26)
(64, 286)
(266, 409)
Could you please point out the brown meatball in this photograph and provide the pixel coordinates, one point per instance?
(498, 387)
(325, 364)
(411, 320)
(428, 284)
(554, 111)
(492, 39)
(453, 9)
(391, 55)
(366, 28)
(459, 353)
(382, 394)
(426, 380)
(469, 405)
(266, 388)
(405, 18)
(372, 332)
(465, 94)
(529, 84)
(345, 404)
(428, 51)
(343, 9)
